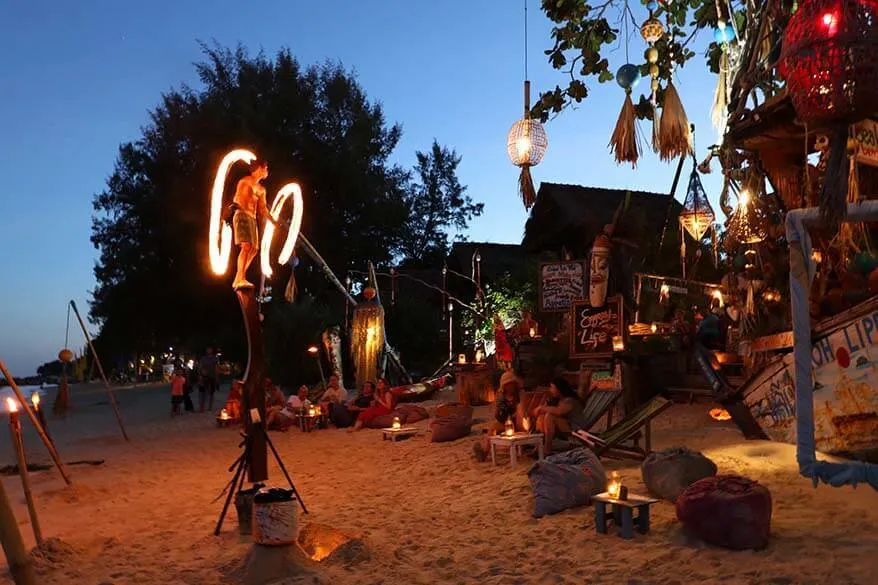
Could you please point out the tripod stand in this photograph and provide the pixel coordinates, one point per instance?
(240, 469)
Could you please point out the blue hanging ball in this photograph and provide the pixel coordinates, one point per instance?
(628, 76)
(652, 5)
(294, 261)
(723, 33)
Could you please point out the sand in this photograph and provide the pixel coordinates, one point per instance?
(426, 513)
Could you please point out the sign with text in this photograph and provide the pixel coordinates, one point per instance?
(593, 329)
(866, 133)
(560, 284)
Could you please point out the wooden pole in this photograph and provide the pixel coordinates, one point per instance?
(97, 361)
(25, 405)
(17, 557)
(15, 429)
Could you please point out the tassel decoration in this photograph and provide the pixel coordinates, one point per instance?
(656, 122)
(674, 133)
(526, 187)
(625, 142)
(719, 113)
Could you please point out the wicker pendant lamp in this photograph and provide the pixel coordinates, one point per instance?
(526, 142)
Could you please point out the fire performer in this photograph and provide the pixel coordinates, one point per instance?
(248, 202)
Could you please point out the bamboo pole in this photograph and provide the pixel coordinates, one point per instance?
(15, 430)
(17, 557)
(101, 370)
(25, 405)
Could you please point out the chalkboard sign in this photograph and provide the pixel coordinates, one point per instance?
(593, 329)
(560, 284)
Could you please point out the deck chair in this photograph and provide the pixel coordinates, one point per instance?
(612, 441)
(597, 404)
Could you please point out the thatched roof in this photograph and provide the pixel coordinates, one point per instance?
(572, 216)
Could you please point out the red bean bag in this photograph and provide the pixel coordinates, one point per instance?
(729, 511)
(450, 428)
(410, 413)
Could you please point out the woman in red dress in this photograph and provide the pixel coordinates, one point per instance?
(383, 404)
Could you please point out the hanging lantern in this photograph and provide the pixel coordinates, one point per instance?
(625, 142)
(827, 60)
(746, 224)
(65, 355)
(697, 214)
(526, 144)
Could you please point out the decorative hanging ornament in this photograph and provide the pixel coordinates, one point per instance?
(625, 142)
(652, 30)
(697, 215)
(828, 63)
(526, 144)
(746, 224)
(675, 135)
(723, 33)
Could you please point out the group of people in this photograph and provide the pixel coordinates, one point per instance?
(204, 376)
(374, 399)
(560, 415)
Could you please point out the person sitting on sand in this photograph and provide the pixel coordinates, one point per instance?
(286, 416)
(507, 407)
(177, 384)
(383, 403)
(233, 402)
(334, 393)
(345, 415)
(563, 413)
(274, 402)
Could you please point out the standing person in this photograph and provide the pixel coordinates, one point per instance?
(177, 384)
(209, 367)
(249, 202)
(192, 378)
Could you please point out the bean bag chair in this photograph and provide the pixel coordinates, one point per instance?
(383, 421)
(454, 408)
(410, 413)
(729, 511)
(566, 480)
(450, 428)
(667, 473)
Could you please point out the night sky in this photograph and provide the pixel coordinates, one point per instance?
(80, 78)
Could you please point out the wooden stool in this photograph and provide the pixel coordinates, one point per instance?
(622, 514)
(395, 434)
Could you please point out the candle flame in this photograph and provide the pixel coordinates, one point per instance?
(220, 243)
(11, 404)
(292, 236)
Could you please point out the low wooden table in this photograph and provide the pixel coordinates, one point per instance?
(308, 422)
(395, 434)
(515, 443)
(622, 513)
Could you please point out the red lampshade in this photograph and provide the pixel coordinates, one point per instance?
(830, 60)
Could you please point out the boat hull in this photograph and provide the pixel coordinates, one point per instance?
(844, 373)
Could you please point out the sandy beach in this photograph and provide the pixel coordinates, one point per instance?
(427, 513)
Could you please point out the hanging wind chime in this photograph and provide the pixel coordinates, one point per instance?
(625, 142)
(527, 141)
(651, 31)
(723, 34)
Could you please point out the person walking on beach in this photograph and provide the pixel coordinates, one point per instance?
(177, 384)
(209, 367)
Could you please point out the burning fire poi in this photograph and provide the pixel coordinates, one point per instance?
(293, 235)
(220, 244)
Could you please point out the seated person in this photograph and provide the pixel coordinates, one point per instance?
(383, 403)
(274, 403)
(345, 415)
(563, 413)
(334, 393)
(294, 405)
(233, 403)
(507, 407)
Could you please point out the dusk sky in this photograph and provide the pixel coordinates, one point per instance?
(80, 78)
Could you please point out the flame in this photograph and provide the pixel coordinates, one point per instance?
(719, 414)
(522, 146)
(292, 236)
(653, 328)
(614, 486)
(224, 414)
(11, 404)
(717, 295)
(35, 399)
(525, 422)
(396, 423)
(220, 234)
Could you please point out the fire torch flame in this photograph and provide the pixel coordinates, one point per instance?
(719, 414)
(293, 235)
(35, 399)
(220, 244)
(11, 405)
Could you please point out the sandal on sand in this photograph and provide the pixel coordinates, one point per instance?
(479, 452)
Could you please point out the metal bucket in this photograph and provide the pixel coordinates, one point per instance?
(275, 523)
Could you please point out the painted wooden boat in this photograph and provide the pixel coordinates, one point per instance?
(844, 372)
(420, 391)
